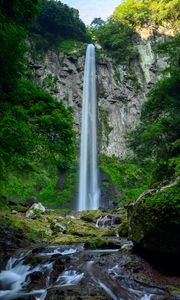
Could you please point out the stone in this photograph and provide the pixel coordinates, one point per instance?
(116, 220)
(30, 214)
(36, 208)
(57, 227)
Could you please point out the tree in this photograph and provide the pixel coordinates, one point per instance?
(97, 23)
(135, 13)
(115, 38)
(57, 21)
(15, 18)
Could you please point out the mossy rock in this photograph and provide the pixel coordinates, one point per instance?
(101, 244)
(33, 230)
(123, 229)
(90, 215)
(66, 239)
(82, 228)
(154, 221)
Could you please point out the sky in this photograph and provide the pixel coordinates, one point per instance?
(90, 9)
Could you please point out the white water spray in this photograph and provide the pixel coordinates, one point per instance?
(88, 184)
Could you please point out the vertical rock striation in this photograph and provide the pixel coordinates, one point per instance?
(122, 89)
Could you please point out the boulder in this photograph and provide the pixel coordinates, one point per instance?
(35, 209)
(108, 220)
(57, 228)
(154, 220)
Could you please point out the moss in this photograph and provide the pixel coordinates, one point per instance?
(123, 229)
(84, 229)
(66, 239)
(132, 76)
(32, 229)
(155, 221)
(100, 244)
(90, 215)
(71, 47)
(105, 123)
(164, 205)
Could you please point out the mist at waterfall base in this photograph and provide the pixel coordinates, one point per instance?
(89, 192)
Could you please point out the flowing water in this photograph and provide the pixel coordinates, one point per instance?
(88, 183)
(38, 274)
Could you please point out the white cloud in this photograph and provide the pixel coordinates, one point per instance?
(90, 9)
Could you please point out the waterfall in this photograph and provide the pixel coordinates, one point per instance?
(88, 183)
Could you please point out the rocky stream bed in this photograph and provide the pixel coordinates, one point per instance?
(81, 256)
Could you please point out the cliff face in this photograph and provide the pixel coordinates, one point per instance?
(121, 90)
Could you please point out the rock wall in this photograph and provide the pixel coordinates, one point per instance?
(121, 89)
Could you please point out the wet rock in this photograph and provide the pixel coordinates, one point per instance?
(104, 221)
(36, 276)
(11, 239)
(108, 220)
(116, 220)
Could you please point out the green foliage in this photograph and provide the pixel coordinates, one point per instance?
(115, 38)
(97, 23)
(171, 50)
(99, 243)
(71, 47)
(157, 135)
(164, 205)
(49, 195)
(132, 13)
(36, 122)
(136, 13)
(20, 12)
(36, 132)
(37, 139)
(128, 176)
(57, 22)
(15, 17)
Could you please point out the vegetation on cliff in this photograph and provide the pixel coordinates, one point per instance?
(37, 137)
(117, 34)
(155, 13)
(57, 22)
(156, 138)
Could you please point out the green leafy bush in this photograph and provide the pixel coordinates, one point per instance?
(129, 176)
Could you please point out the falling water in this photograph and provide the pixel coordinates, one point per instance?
(88, 183)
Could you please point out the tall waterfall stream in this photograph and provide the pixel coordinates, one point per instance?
(88, 182)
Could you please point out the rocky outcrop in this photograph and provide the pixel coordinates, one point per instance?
(154, 223)
(11, 239)
(121, 89)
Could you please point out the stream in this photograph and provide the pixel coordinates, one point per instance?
(60, 272)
